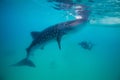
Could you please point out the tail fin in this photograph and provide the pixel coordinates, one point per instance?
(25, 62)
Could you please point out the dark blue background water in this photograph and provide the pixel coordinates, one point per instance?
(19, 18)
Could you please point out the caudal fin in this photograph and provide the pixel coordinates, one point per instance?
(25, 62)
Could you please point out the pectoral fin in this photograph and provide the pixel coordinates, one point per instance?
(59, 41)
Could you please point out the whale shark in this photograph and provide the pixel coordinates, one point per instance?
(55, 32)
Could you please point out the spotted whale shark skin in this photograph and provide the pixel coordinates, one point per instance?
(54, 32)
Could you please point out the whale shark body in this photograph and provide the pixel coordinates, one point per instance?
(55, 32)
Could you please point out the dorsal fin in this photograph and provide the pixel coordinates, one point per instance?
(35, 34)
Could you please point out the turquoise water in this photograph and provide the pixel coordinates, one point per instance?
(72, 62)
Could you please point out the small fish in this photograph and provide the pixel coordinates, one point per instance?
(86, 45)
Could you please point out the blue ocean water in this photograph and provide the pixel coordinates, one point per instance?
(20, 17)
